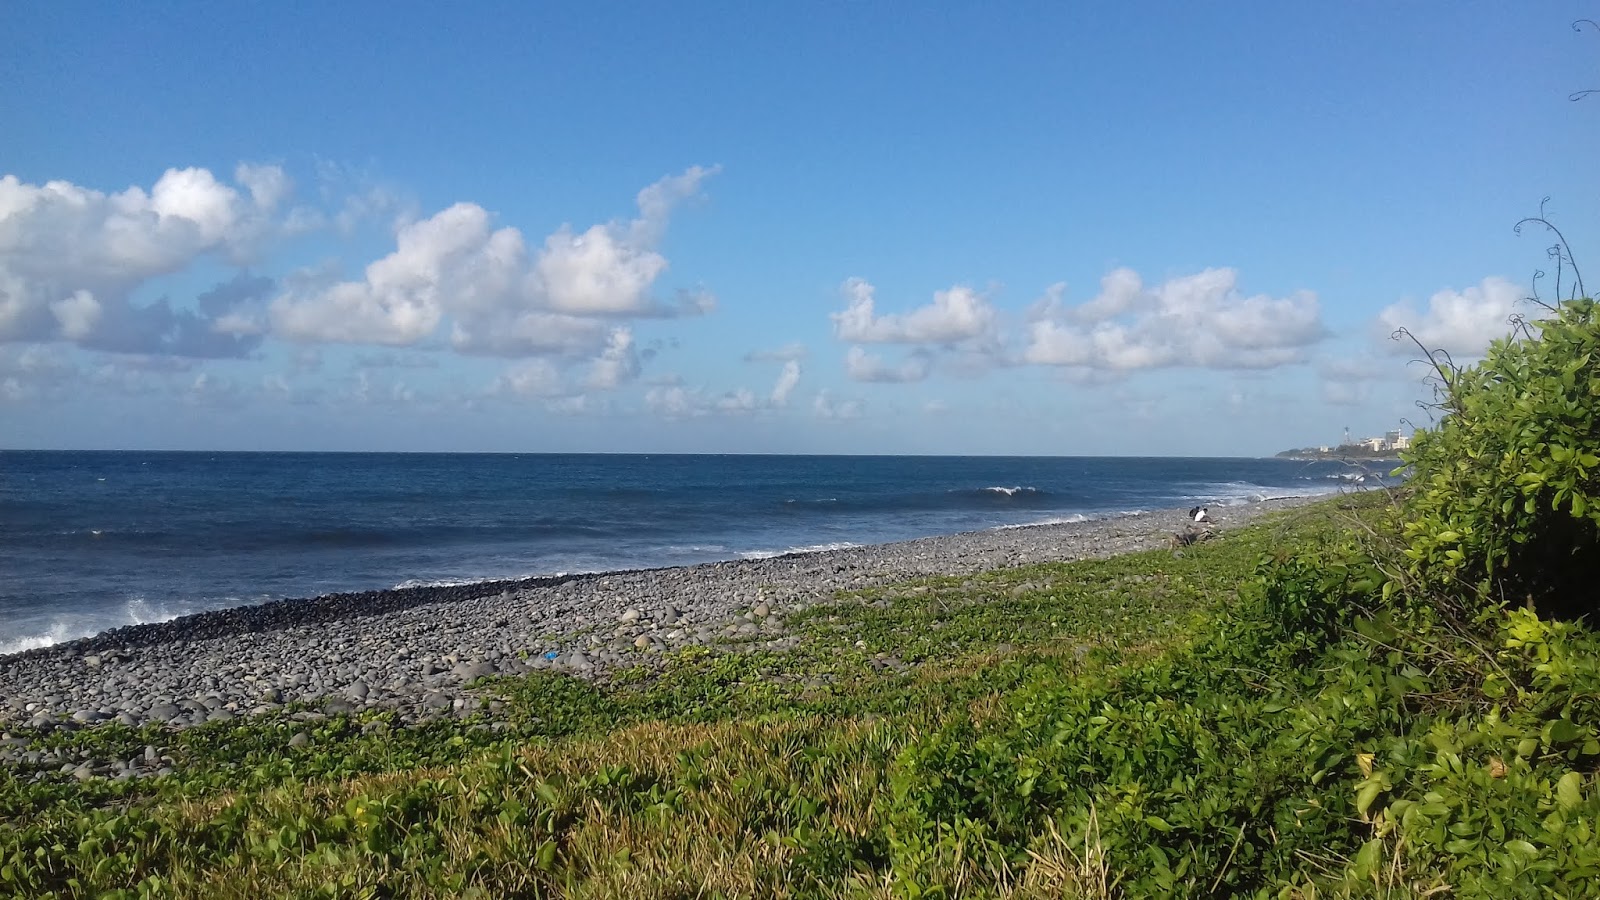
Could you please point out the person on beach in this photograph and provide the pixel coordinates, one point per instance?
(1200, 515)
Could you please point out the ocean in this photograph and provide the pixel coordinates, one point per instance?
(96, 540)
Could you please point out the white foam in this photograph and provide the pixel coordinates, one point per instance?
(59, 631)
(71, 626)
(1062, 520)
(1239, 493)
(812, 548)
(695, 548)
(1013, 490)
(439, 582)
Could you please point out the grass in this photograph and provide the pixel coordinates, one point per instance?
(1092, 729)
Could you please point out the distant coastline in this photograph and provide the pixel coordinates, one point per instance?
(1347, 452)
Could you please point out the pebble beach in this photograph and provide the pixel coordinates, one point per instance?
(416, 651)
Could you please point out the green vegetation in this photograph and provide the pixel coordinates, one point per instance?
(1507, 501)
(1350, 700)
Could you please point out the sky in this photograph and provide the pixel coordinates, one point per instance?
(1145, 229)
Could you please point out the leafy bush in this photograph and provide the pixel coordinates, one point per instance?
(1505, 501)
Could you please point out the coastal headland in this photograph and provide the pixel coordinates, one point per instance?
(416, 651)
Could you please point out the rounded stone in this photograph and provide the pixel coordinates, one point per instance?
(469, 671)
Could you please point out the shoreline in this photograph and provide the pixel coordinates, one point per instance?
(414, 649)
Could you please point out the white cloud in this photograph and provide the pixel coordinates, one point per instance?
(1120, 290)
(77, 315)
(597, 273)
(825, 406)
(674, 402)
(863, 366)
(207, 389)
(268, 185)
(1462, 323)
(501, 298)
(957, 314)
(742, 400)
(71, 257)
(452, 257)
(787, 379)
(617, 364)
(31, 372)
(367, 391)
(532, 333)
(1198, 321)
(140, 374)
(531, 378)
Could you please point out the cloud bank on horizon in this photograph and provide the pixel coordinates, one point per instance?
(1016, 257)
(561, 311)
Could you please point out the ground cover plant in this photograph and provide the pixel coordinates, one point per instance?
(1378, 696)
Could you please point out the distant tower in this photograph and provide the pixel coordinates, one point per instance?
(1346, 437)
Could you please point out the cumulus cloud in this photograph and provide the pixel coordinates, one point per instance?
(1199, 320)
(501, 298)
(71, 257)
(451, 255)
(532, 333)
(617, 364)
(1120, 290)
(787, 379)
(268, 185)
(863, 366)
(674, 402)
(1460, 322)
(955, 315)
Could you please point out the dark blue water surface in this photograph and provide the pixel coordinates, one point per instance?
(93, 540)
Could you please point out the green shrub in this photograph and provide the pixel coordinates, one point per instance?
(1505, 501)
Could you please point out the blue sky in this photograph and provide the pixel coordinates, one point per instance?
(1142, 229)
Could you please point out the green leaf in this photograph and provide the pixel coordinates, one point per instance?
(1368, 793)
(1563, 731)
(1569, 791)
(545, 857)
(1523, 849)
(1368, 858)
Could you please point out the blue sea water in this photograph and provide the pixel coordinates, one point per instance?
(95, 540)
